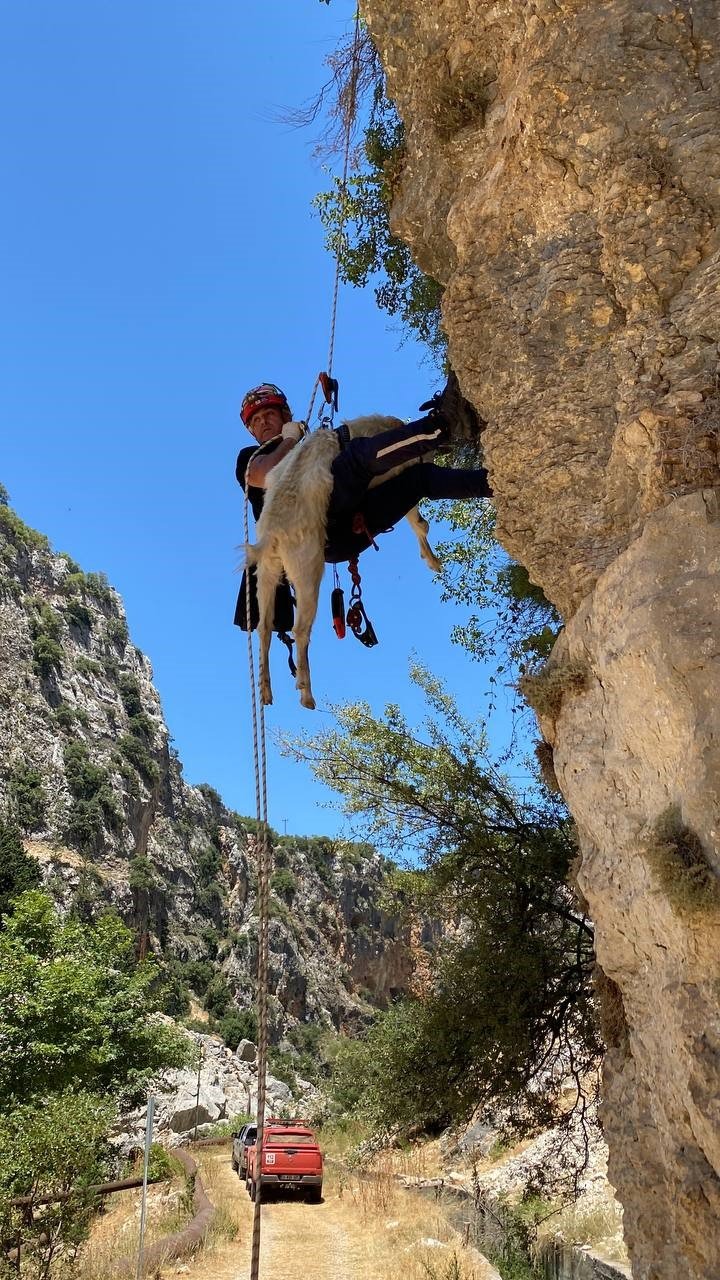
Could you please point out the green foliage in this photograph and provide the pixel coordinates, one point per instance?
(211, 795)
(173, 995)
(75, 1006)
(21, 534)
(64, 716)
(512, 623)
(199, 974)
(18, 871)
(142, 874)
(237, 1025)
(283, 1066)
(4, 496)
(207, 865)
(284, 884)
(93, 804)
(218, 997)
(137, 754)
(161, 1166)
(510, 996)
(117, 632)
(27, 797)
(78, 613)
(47, 656)
(130, 695)
(50, 1149)
(357, 224)
(88, 666)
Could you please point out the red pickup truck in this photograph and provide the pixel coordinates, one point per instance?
(291, 1160)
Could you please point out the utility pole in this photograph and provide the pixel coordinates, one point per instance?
(197, 1092)
(143, 1206)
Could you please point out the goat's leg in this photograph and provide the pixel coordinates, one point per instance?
(421, 528)
(269, 570)
(305, 571)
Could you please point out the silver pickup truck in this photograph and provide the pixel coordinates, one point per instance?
(243, 1139)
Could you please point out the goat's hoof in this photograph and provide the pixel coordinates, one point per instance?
(307, 700)
(433, 562)
(266, 697)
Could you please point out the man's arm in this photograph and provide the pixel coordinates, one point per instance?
(260, 466)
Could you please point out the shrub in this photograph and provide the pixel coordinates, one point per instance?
(129, 690)
(93, 800)
(199, 974)
(19, 533)
(27, 797)
(141, 874)
(88, 667)
(208, 864)
(679, 862)
(544, 690)
(64, 716)
(47, 656)
(284, 884)
(217, 996)
(237, 1025)
(141, 726)
(117, 632)
(78, 613)
(211, 795)
(460, 101)
(135, 751)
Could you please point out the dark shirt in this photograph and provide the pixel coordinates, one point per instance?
(255, 495)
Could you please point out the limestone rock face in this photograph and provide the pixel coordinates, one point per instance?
(562, 181)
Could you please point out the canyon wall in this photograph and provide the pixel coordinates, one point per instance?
(562, 181)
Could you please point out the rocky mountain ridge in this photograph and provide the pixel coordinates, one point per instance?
(88, 772)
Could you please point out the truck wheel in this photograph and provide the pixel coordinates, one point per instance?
(234, 1164)
(314, 1195)
(253, 1190)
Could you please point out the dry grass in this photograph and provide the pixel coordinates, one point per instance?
(544, 690)
(545, 757)
(116, 1232)
(679, 863)
(598, 1224)
(461, 101)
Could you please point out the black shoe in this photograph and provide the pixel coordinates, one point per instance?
(459, 416)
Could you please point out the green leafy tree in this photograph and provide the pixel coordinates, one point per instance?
(27, 797)
(510, 1002)
(57, 1149)
(75, 1007)
(18, 871)
(237, 1025)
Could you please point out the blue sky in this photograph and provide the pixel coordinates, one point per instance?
(159, 255)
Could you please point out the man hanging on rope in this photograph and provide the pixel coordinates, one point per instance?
(357, 513)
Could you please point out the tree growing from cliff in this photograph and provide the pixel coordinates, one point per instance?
(508, 1014)
(18, 871)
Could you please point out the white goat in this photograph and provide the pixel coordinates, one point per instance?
(292, 535)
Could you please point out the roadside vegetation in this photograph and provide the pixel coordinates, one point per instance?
(79, 1042)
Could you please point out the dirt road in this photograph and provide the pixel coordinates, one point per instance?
(361, 1231)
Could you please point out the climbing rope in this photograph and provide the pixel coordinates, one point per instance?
(349, 119)
(262, 837)
(262, 857)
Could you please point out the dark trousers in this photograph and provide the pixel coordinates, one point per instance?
(368, 456)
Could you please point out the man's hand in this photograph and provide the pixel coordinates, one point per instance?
(293, 431)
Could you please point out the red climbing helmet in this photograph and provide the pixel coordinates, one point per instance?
(266, 396)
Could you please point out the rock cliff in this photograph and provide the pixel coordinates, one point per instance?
(88, 773)
(562, 181)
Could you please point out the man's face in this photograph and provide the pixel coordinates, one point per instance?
(265, 424)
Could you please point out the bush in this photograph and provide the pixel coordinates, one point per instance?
(64, 716)
(93, 801)
(208, 864)
(19, 533)
(142, 874)
(284, 884)
(237, 1025)
(78, 613)
(199, 974)
(544, 690)
(680, 864)
(47, 656)
(117, 632)
(137, 754)
(27, 797)
(218, 997)
(129, 689)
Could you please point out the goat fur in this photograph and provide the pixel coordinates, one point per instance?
(291, 536)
